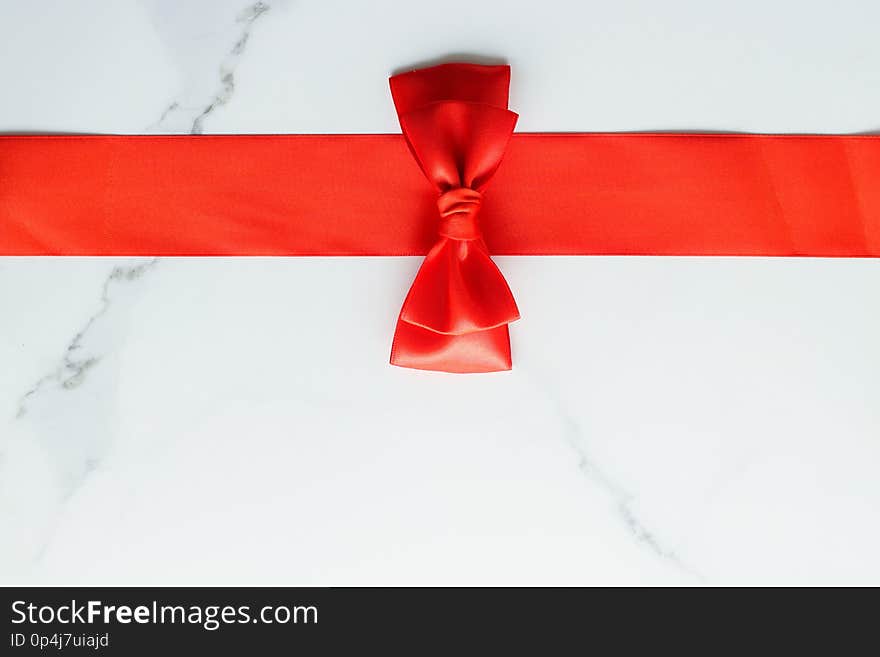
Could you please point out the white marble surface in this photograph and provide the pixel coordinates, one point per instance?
(669, 421)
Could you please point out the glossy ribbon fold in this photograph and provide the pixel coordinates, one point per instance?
(456, 122)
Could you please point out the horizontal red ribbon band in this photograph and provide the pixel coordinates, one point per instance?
(554, 194)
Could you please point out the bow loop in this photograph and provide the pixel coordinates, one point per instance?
(457, 125)
(458, 144)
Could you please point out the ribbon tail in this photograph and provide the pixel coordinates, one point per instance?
(419, 348)
(455, 317)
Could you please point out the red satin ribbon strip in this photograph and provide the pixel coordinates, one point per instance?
(355, 195)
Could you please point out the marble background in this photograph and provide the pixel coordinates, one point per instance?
(669, 420)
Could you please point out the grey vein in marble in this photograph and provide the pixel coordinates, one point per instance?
(73, 369)
(87, 353)
(621, 498)
(195, 116)
(77, 363)
(71, 372)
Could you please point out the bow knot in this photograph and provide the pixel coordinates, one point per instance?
(458, 213)
(457, 125)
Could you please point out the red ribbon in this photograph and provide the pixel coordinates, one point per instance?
(456, 122)
(555, 194)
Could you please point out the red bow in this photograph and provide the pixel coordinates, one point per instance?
(454, 319)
